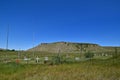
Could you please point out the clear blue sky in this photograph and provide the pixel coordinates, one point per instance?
(91, 21)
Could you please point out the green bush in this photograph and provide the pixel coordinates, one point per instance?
(89, 55)
(56, 60)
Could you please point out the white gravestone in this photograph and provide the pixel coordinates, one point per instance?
(37, 59)
(26, 59)
(46, 58)
(77, 58)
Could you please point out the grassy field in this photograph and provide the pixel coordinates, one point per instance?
(88, 70)
(95, 69)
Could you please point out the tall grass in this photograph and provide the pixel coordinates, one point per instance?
(95, 70)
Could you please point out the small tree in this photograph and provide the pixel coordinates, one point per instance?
(89, 55)
(13, 50)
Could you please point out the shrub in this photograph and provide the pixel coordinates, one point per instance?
(89, 55)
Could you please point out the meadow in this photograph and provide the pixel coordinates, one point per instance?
(92, 69)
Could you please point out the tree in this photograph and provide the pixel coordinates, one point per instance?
(89, 55)
(13, 50)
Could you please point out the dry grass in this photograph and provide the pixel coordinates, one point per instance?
(84, 70)
(74, 71)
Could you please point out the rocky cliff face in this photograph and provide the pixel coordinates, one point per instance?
(67, 47)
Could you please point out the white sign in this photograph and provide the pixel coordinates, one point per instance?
(46, 58)
(77, 58)
(26, 59)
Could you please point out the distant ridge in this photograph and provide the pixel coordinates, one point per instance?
(71, 47)
(2, 49)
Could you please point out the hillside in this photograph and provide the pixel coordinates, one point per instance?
(70, 47)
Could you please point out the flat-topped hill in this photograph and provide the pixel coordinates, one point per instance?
(71, 47)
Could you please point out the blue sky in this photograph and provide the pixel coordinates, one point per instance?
(91, 21)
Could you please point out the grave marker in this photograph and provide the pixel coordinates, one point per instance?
(37, 59)
(77, 59)
(46, 60)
